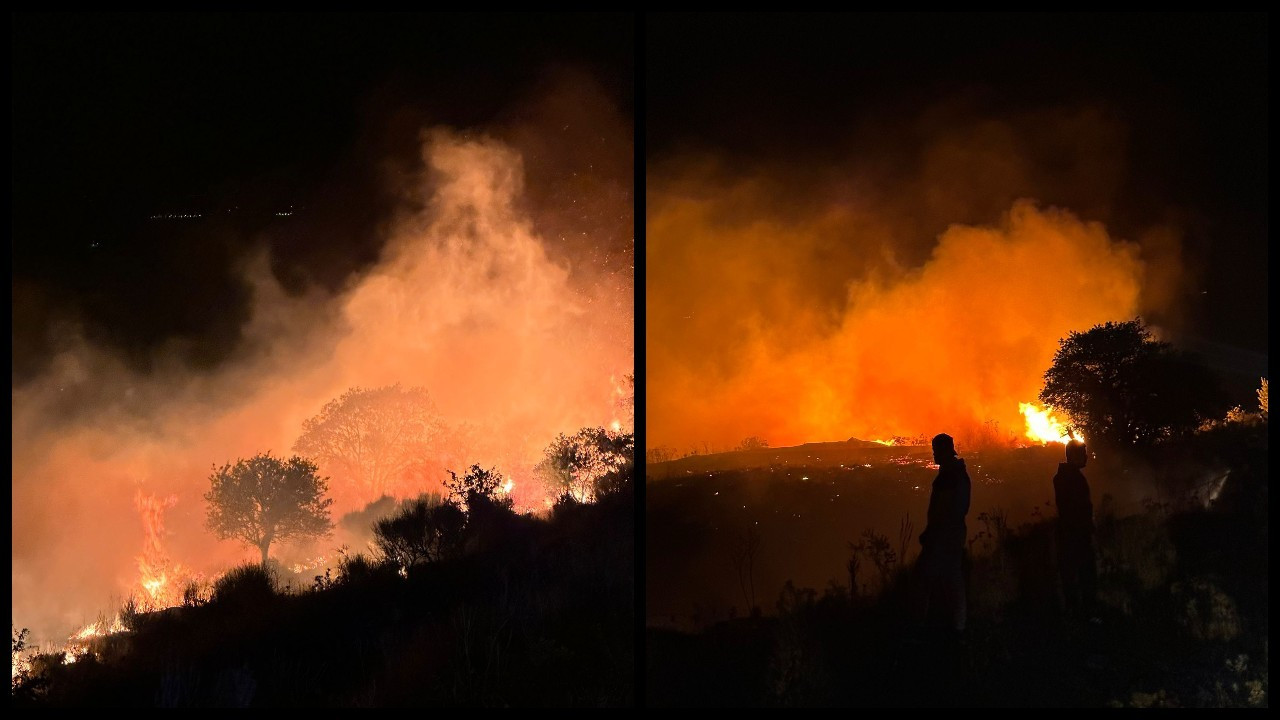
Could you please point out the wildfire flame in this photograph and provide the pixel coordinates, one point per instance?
(100, 628)
(1044, 427)
(154, 565)
(889, 442)
(79, 644)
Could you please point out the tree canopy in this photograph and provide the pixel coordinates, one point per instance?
(1122, 387)
(588, 463)
(264, 499)
(477, 486)
(375, 439)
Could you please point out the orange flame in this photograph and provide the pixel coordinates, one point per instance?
(1044, 427)
(154, 565)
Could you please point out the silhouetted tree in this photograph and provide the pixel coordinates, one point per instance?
(20, 671)
(264, 499)
(374, 437)
(753, 443)
(1121, 387)
(585, 463)
(477, 486)
(424, 531)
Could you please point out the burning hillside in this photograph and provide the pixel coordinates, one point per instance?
(511, 314)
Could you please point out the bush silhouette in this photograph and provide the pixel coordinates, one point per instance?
(245, 585)
(424, 531)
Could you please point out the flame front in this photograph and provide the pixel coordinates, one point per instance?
(1044, 427)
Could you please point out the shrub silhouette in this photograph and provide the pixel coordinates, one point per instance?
(245, 585)
(424, 531)
(476, 485)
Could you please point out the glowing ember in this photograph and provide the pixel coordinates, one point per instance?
(1044, 427)
(307, 565)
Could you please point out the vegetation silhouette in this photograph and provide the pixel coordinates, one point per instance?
(586, 463)
(504, 610)
(427, 530)
(265, 499)
(1122, 388)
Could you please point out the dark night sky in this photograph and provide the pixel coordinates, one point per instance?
(119, 117)
(1190, 89)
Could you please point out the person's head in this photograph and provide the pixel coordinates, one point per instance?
(944, 448)
(1076, 454)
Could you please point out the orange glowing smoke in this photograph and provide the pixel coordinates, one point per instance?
(752, 330)
(1045, 427)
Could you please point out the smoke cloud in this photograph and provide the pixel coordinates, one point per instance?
(918, 284)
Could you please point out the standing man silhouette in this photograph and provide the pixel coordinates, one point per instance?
(1076, 564)
(939, 575)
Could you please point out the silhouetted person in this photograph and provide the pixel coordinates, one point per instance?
(1076, 564)
(939, 577)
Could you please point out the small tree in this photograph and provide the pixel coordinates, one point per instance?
(586, 462)
(424, 531)
(476, 486)
(264, 499)
(753, 443)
